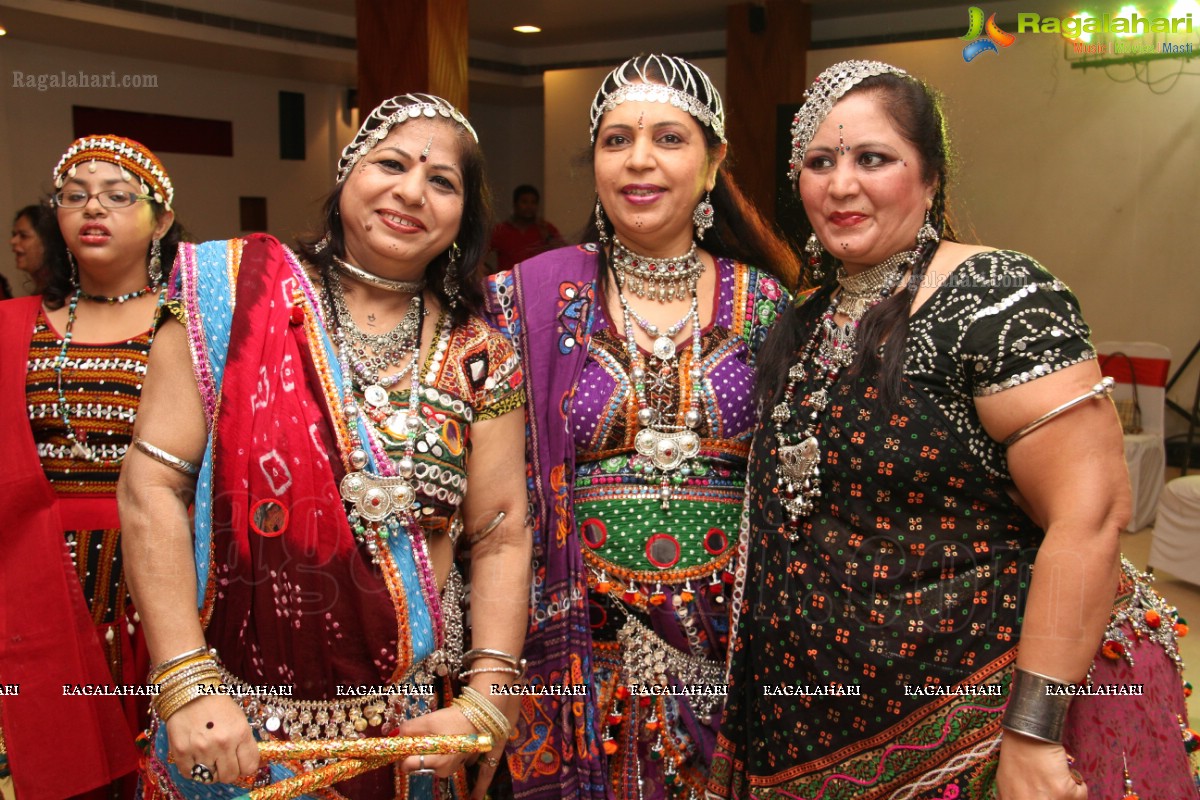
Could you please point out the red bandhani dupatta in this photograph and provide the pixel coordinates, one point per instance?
(292, 599)
(57, 745)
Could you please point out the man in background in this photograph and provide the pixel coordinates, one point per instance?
(523, 235)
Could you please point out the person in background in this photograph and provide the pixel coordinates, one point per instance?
(28, 243)
(525, 233)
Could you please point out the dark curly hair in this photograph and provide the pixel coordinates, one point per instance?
(320, 247)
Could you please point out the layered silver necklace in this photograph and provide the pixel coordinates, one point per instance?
(827, 352)
(665, 448)
(372, 354)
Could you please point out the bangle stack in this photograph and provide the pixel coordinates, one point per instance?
(516, 666)
(482, 713)
(182, 679)
(1032, 710)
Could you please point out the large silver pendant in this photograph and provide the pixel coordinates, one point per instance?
(376, 395)
(664, 348)
(799, 469)
(667, 449)
(376, 497)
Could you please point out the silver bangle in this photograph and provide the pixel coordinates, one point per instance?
(1104, 387)
(163, 457)
(483, 533)
(1032, 710)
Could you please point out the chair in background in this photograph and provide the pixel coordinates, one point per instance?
(1175, 544)
(1140, 370)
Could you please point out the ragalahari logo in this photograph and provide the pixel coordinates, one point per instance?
(987, 43)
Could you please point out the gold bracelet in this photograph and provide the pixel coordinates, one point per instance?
(480, 719)
(182, 676)
(166, 707)
(171, 662)
(166, 675)
(488, 708)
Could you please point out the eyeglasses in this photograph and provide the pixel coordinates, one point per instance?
(112, 198)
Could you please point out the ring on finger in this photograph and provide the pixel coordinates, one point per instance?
(491, 761)
(202, 773)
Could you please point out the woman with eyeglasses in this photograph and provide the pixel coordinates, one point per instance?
(73, 361)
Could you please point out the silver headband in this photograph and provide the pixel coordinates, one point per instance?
(829, 87)
(682, 84)
(394, 112)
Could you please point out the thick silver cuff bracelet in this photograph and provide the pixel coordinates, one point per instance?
(1034, 712)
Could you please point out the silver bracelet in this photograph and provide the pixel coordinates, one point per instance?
(1104, 387)
(163, 457)
(1032, 710)
(479, 535)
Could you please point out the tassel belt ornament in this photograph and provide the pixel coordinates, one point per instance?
(649, 659)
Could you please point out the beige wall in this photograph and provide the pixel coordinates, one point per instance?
(1094, 175)
(570, 193)
(35, 128)
(1096, 178)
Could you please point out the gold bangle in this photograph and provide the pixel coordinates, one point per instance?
(175, 679)
(165, 675)
(488, 708)
(167, 707)
(171, 662)
(479, 718)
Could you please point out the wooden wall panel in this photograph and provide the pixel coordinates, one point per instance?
(411, 46)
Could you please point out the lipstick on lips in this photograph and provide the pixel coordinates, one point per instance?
(641, 193)
(846, 219)
(398, 221)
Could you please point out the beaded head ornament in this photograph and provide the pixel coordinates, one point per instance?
(392, 112)
(829, 87)
(134, 158)
(661, 79)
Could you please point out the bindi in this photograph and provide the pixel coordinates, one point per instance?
(425, 152)
(841, 149)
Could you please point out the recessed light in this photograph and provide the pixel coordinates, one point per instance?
(3, 31)
(527, 29)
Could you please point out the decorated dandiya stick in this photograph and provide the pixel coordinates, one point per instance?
(389, 748)
(361, 755)
(320, 778)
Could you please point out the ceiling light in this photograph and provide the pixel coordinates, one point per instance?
(527, 29)
(3, 31)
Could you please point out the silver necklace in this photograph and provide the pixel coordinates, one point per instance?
(661, 279)
(362, 276)
(665, 449)
(860, 292)
(372, 354)
(827, 352)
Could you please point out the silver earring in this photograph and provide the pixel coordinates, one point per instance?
(928, 234)
(600, 229)
(814, 250)
(155, 268)
(702, 217)
(450, 284)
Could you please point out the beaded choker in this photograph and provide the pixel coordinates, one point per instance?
(860, 292)
(662, 279)
(827, 352)
(118, 299)
(362, 276)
